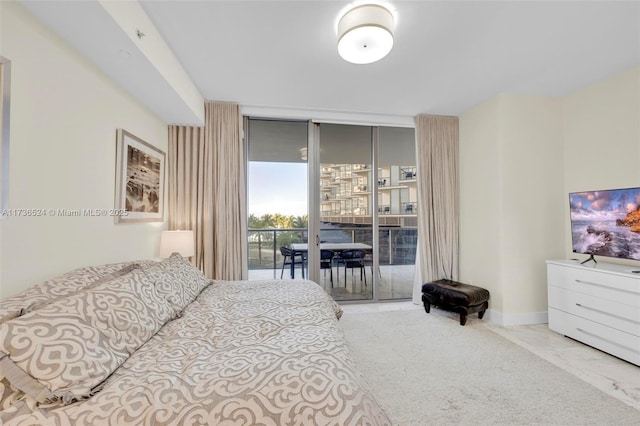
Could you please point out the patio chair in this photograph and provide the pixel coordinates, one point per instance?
(289, 256)
(352, 259)
(326, 262)
(368, 258)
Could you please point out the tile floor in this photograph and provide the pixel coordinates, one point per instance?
(613, 376)
(394, 282)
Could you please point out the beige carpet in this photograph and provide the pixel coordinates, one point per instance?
(428, 370)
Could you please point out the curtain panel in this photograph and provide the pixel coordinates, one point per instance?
(223, 132)
(438, 200)
(190, 190)
(207, 190)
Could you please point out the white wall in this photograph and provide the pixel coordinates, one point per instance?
(602, 139)
(480, 195)
(510, 186)
(520, 157)
(531, 204)
(64, 116)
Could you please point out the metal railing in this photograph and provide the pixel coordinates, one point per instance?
(397, 246)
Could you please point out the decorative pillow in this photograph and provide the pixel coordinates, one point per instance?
(63, 285)
(65, 349)
(178, 280)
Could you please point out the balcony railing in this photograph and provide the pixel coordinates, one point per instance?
(397, 246)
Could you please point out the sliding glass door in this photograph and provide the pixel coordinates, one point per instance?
(337, 203)
(277, 197)
(397, 212)
(346, 210)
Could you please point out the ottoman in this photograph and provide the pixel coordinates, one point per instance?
(453, 296)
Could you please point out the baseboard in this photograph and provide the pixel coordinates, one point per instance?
(525, 318)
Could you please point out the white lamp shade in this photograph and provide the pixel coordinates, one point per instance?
(177, 242)
(365, 34)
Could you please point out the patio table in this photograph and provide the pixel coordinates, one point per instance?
(336, 247)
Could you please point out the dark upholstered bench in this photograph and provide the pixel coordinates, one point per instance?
(453, 296)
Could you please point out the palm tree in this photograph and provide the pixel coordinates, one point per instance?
(281, 221)
(300, 221)
(266, 220)
(254, 222)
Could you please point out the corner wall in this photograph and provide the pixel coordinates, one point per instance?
(64, 116)
(510, 187)
(602, 140)
(520, 156)
(480, 195)
(532, 203)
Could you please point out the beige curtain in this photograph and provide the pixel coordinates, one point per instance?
(207, 190)
(223, 131)
(190, 190)
(438, 205)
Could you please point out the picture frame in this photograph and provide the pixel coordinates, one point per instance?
(5, 120)
(140, 178)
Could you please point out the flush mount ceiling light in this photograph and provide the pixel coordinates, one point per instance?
(365, 34)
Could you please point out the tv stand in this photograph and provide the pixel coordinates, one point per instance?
(590, 258)
(597, 305)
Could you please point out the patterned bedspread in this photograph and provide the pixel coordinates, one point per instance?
(243, 353)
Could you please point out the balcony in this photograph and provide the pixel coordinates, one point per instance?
(397, 249)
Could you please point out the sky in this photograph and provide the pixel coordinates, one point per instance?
(277, 188)
(604, 205)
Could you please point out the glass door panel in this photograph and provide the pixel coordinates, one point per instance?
(362, 181)
(397, 212)
(346, 240)
(277, 198)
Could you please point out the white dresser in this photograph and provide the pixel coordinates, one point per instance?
(597, 304)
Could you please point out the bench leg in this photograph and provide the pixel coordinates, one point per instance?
(427, 305)
(463, 319)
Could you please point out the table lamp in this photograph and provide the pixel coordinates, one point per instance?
(177, 241)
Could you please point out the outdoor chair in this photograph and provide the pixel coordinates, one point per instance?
(289, 256)
(326, 262)
(352, 259)
(368, 258)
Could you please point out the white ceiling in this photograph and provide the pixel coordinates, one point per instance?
(448, 55)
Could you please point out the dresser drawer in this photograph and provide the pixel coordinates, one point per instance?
(604, 285)
(621, 316)
(615, 342)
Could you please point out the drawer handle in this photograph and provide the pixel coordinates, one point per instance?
(592, 283)
(606, 340)
(611, 314)
(605, 286)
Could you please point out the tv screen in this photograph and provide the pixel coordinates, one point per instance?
(606, 223)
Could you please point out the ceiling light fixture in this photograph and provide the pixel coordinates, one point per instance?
(365, 34)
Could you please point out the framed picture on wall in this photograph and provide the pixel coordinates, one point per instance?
(5, 105)
(139, 180)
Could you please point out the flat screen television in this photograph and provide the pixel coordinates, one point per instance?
(606, 223)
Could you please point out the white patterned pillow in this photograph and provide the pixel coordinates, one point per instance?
(63, 285)
(64, 350)
(178, 280)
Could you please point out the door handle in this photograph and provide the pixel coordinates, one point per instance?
(317, 241)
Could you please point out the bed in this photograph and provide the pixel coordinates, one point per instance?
(157, 343)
